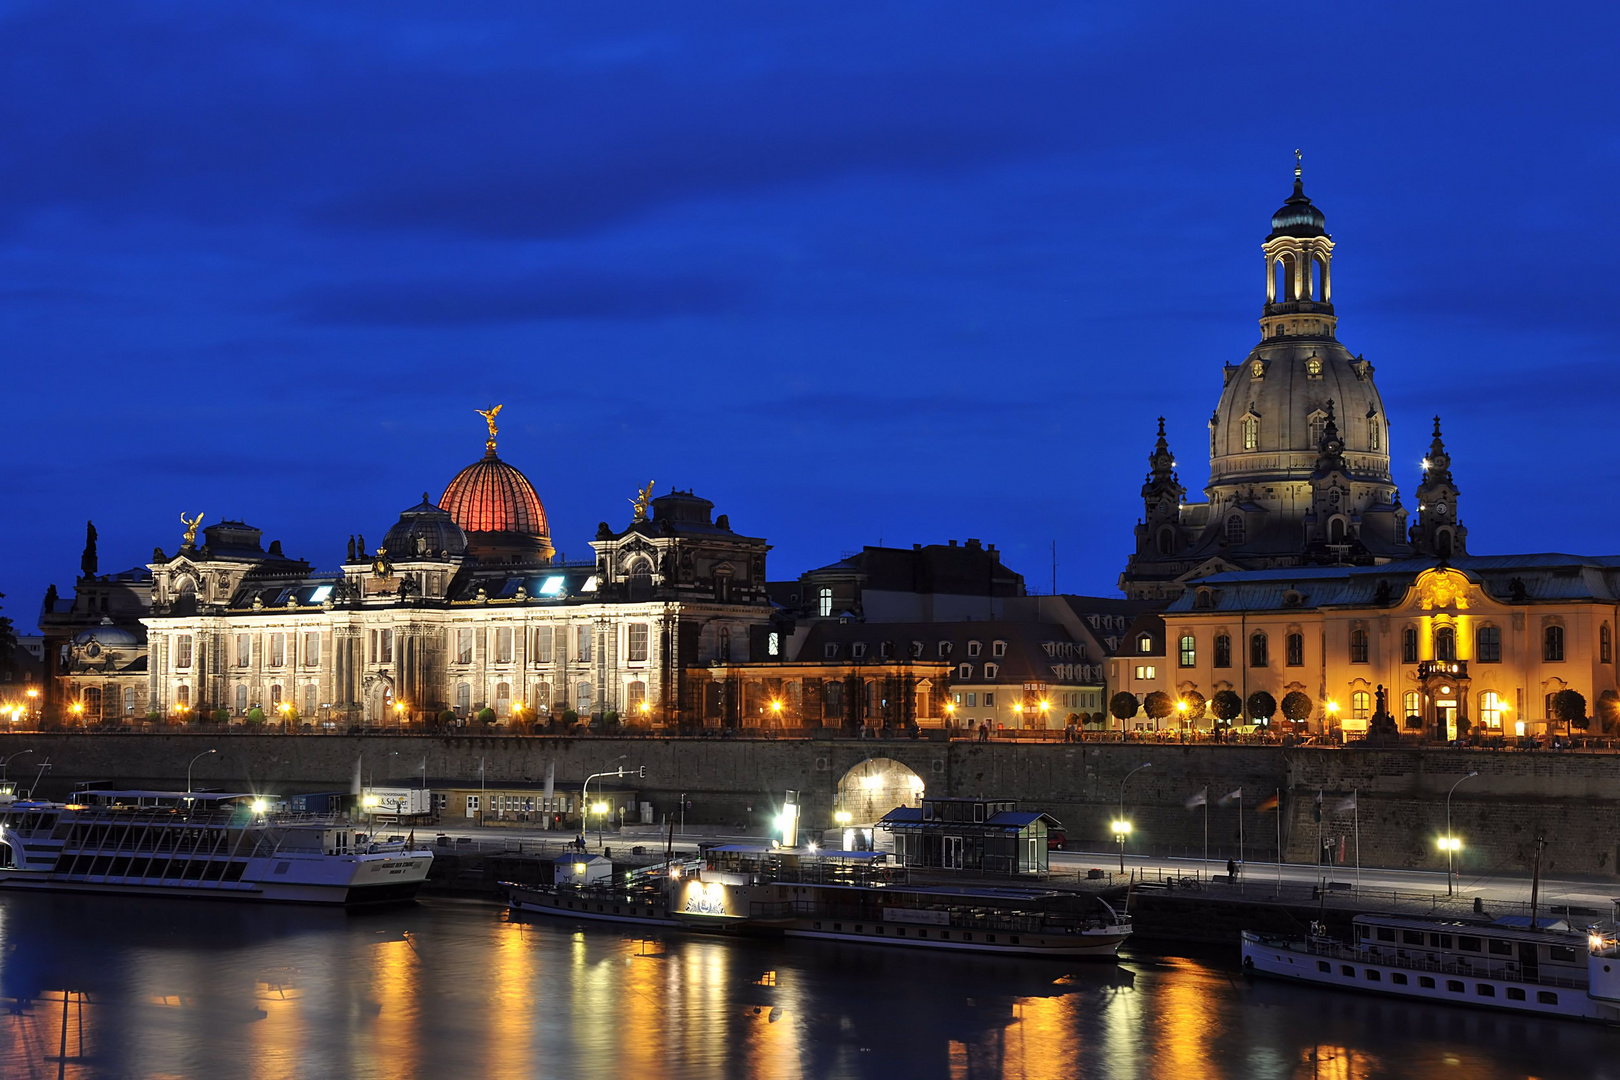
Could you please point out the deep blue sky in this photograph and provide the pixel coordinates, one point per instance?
(907, 272)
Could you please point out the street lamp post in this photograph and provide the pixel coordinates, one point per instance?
(192, 762)
(1451, 844)
(7, 761)
(584, 794)
(1122, 827)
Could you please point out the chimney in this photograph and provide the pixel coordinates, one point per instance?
(953, 543)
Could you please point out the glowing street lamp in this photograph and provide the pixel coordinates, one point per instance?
(1450, 843)
(192, 762)
(1122, 827)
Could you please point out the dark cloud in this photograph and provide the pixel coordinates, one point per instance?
(581, 295)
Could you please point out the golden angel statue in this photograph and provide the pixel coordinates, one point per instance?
(641, 501)
(489, 416)
(191, 527)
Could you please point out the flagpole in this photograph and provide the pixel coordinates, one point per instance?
(1319, 816)
(1279, 841)
(1206, 829)
(1355, 793)
(1240, 830)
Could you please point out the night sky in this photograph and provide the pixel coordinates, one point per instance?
(853, 272)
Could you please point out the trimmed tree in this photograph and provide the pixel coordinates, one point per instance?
(1123, 705)
(1197, 706)
(1262, 706)
(1297, 706)
(1570, 707)
(1226, 706)
(1158, 705)
(486, 716)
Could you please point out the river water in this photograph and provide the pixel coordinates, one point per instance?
(457, 990)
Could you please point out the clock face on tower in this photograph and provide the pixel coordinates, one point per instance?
(1440, 508)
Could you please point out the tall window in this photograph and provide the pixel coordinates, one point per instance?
(724, 645)
(1234, 529)
(636, 643)
(92, 702)
(634, 694)
(1488, 645)
(241, 700)
(463, 699)
(1358, 645)
(1189, 651)
(182, 694)
(1223, 651)
(311, 700)
(1552, 643)
(385, 647)
(503, 699)
(278, 650)
(1258, 656)
(824, 602)
(1445, 644)
(503, 645)
(1251, 432)
(542, 697)
(1490, 709)
(1296, 650)
(1412, 702)
(312, 650)
(542, 645)
(1360, 705)
(464, 645)
(275, 696)
(1409, 645)
(129, 701)
(244, 650)
(832, 700)
(1373, 436)
(182, 651)
(582, 644)
(1144, 643)
(1605, 645)
(584, 695)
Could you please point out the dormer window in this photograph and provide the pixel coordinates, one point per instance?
(973, 648)
(1144, 643)
(1234, 529)
(990, 671)
(1251, 432)
(964, 672)
(998, 648)
(858, 650)
(1257, 369)
(1313, 368)
(829, 651)
(944, 649)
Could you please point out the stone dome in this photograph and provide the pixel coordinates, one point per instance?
(1298, 216)
(424, 531)
(104, 638)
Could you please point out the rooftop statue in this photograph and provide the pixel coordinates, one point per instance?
(191, 528)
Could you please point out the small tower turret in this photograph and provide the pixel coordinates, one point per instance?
(1333, 519)
(1162, 496)
(1299, 261)
(1439, 530)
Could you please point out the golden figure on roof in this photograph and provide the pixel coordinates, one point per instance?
(489, 416)
(641, 501)
(191, 527)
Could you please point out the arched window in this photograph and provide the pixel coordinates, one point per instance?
(1234, 529)
(1144, 643)
(503, 698)
(1490, 709)
(1318, 426)
(1445, 644)
(275, 696)
(1488, 645)
(824, 602)
(1167, 541)
(241, 700)
(1296, 650)
(1189, 651)
(1251, 432)
(1336, 531)
(463, 699)
(1223, 651)
(1358, 645)
(1412, 702)
(635, 693)
(1374, 437)
(1360, 705)
(129, 701)
(584, 697)
(1605, 645)
(724, 648)
(311, 700)
(1442, 543)
(1409, 645)
(1257, 651)
(542, 698)
(92, 702)
(1313, 370)
(1552, 643)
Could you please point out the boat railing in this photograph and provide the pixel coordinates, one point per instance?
(1508, 970)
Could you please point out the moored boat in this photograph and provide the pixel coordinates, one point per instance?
(199, 844)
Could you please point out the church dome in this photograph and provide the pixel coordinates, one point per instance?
(490, 496)
(1298, 216)
(424, 531)
(97, 639)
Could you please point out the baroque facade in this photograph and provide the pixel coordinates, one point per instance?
(461, 608)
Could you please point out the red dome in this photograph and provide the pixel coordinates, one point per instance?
(490, 496)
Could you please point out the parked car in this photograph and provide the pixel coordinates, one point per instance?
(1056, 840)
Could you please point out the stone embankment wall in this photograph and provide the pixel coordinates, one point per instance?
(1572, 800)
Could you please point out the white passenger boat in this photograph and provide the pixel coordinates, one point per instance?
(196, 844)
(1549, 969)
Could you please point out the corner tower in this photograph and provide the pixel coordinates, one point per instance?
(1267, 505)
(1439, 531)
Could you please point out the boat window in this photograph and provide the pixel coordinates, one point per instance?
(1346, 969)
(1398, 978)
(1323, 965)
(1426, 982)
(1440, 941)
(1561, 953)
(1386, 933)
(1363, 931)
(1468, 944)
(1546, 997)
(1374, 976)
(1412, 937)
(1454, 985)
(1484, 989)
(1500, 947)
(1014, 940)
(1515, 993)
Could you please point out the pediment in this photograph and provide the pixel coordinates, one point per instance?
(1441, 589)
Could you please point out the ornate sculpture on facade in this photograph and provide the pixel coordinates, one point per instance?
(191, 528)
(489, 416)
(380, 566)
(641, 501)
(87, 561)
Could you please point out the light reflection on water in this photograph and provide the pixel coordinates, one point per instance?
(446, 988)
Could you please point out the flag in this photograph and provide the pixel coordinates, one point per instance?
(1230, 795)
(1200, 799)
(1267, 803)
(1347, 804)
